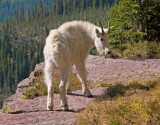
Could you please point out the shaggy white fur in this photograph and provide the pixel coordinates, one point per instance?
(67, 46)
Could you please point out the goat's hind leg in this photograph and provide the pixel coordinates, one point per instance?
(62, 87)
(48, 72)
(68, 86)
(80, 68)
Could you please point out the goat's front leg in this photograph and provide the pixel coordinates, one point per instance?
(62, 87)
(48, 72)
(80, 68)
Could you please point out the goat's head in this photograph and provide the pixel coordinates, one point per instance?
(101, 41)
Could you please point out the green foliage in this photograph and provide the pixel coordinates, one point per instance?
(141, 50)
(38, 90)
(6, 110)
(135, 50)
(149, 18)
(134, 21)
(38, 87)
(121, 17)
(153, 49)
(94, 51)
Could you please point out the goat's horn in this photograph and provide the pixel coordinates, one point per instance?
(101, 28)
(108, 27)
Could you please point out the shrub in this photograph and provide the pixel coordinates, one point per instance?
(140, 50)
(6, 110)
(135, 50)
(153, 49)
(38, 87)
(94, 51)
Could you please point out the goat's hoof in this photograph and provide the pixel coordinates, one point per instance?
(69, 91)
(50, 108)
(65, 107)
(88, 95)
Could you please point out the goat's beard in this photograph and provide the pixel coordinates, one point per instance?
(101, 51)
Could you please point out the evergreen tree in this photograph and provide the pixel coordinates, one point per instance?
(21, 13)
(40, 9)
(28, 14)
(135, 20)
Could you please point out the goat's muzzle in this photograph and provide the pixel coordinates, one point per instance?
(109, 52)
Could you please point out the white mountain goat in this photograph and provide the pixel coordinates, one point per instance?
(67, 46)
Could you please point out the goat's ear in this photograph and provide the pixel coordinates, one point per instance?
(98, 32)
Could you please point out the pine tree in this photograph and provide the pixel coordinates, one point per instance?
(84, 4)
(53, 12)
(16, 16)
(28, 14)
(135, 21)
(21, 13)
(40, 9)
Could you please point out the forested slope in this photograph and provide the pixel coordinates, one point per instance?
(9, 7)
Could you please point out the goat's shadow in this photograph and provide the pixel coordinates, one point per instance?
(70, 110)
(74, 94)
(118, 89)
(58, 110)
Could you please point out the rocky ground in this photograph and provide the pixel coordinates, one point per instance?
(99, 69)
(33, 111)
(121, 70)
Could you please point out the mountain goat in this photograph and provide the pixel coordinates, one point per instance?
(67, 46)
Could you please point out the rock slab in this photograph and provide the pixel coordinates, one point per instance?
(33, 111)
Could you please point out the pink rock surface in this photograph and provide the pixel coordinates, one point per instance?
(112, 70)
(33, 111)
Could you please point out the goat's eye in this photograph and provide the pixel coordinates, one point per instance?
(101, 39)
